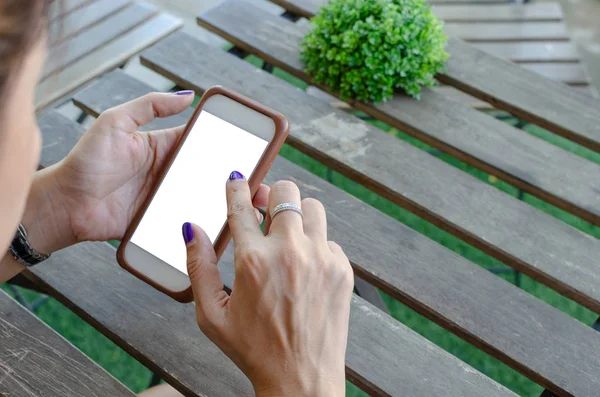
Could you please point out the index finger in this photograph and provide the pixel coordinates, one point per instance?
(241, 216)
(261, 198)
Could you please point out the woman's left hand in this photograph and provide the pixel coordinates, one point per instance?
(97, 189)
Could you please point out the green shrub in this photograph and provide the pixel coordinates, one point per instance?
(365, 49)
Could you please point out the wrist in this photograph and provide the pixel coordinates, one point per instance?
(302, 388)
(46, 218)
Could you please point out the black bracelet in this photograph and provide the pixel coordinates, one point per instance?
(23, 252)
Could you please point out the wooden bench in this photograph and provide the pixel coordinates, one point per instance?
(91, 37)
(385, 358)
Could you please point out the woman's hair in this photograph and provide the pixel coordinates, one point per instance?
(22, 22)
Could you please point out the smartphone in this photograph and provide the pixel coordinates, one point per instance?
(227, 132)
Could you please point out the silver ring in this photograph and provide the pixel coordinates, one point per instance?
(286, 207)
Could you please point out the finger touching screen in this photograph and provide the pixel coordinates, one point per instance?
(193, 189)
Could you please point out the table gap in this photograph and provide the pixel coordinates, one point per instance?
(445, 339)
(532, 128)
(440, 236)
(526, 127)
(57, 32)
(498, 183)
(346, 184)
(490, 179)
(431, 231)
(98, 347)
(466, 352)
(544, 134)
(137, 377)
(90, 341)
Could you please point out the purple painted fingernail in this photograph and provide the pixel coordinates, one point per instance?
(185, 92)
(236, 175)
(188, 232)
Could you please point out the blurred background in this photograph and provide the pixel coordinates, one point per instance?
(582, 18)
(583, 23)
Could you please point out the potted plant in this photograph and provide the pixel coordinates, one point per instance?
(367, 49)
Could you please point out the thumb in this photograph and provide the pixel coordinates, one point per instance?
(141, 111)
(211, 300)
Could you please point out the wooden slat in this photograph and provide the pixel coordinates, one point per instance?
(562, 110)
(85, 17)
(461, 97)
(527, 95)
(97, 36)
(306, 8)
(36, 361)
(507, 228)
(405, 264)
(447, 91)
(463, 132)
(116, 87)
(568, 73)
(471, 31)
(533, 51)
(540, 12)
(64, 7)
(519, 52)
(508, 31)
(106, 58)
(544, 12)
(468, 1)
(369, 293)
(163, 333)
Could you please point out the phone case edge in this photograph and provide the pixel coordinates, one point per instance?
(281, 133)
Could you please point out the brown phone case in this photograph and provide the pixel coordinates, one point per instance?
(281, 132)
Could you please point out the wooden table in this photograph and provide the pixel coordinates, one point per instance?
(385, 358)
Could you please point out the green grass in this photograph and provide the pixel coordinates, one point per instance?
(136, 376)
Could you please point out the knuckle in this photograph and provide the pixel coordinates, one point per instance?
(290, 258)
(313, 204)
(112, 118)
(347, 276)
(285, 186)
(295, 255)
(253, 266)
(334, 247)
(321, 260)
(109, 116)
(149, 96)
(339, 270)
(252, 258)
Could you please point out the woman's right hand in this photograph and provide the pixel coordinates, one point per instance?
(285, 324)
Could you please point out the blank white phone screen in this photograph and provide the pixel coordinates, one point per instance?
(194, 188)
